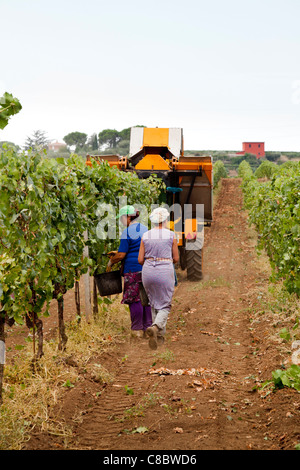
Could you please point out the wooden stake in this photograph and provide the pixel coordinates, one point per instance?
(95, 299)
(87, 286)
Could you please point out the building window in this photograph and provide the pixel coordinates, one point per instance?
(249, 145)
(259, 145)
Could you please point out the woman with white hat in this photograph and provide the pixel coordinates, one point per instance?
(158, 252)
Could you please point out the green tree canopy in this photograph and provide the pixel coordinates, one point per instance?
(109, 137)
(75, 138)
(114, 139)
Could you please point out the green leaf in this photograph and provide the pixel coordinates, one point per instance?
(285, 334)
(13, 218)
(128, 390)
(68, 384)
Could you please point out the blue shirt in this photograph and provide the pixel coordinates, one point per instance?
(130, 244)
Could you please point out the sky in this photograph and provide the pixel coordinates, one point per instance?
(224, 71)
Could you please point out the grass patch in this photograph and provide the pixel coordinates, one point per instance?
(165, 356)
(30, 394)
(149, 400)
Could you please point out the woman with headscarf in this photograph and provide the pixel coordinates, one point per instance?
(127, 253)
(158, 252)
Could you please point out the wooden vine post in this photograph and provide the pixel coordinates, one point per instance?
(87, 286)
(77, 300)
(95, 299)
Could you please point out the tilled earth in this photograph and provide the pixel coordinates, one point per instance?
(197, 391)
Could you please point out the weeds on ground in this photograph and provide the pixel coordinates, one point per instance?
(282, 378)
(149, 400)
(29, 394)
(164, 356)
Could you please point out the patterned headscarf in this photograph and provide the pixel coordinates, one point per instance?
(159, 215)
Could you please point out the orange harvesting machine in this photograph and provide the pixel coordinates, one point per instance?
(188, 181)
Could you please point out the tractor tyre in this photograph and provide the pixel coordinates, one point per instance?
(194, 265)
(182, 257)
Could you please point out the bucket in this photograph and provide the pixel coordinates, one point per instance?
(143, 295)
(109, 283)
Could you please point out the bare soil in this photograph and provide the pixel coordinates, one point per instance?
(197, 391)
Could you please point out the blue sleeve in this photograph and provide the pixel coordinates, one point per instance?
(124, 245)
(124, 242)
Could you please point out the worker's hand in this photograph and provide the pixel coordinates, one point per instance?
(112, 253)
(108, 267)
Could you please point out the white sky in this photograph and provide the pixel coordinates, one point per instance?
(224, 71)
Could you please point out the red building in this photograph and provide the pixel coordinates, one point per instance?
(56, 146)
(255, 148)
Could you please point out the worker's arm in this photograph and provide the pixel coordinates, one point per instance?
(175, 253)
(141, 257)
(119, 256)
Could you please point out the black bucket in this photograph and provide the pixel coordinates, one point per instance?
(143, 295)
(109, 283)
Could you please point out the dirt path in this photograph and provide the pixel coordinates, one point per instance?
(196, 391)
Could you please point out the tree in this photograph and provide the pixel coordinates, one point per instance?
(77, 139)
(93, 142)
(38, 141)
(109, 137)
(125, 133)
(8, 107)
(112, 138)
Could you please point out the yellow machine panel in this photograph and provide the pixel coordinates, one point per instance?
(194, 163)
(155, 137)
(152, 162)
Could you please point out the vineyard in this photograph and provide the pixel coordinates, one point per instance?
(223, 380)
(47, 206)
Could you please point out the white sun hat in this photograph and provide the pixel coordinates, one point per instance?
(159, 215)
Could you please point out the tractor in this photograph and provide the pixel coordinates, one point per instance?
(188, 181)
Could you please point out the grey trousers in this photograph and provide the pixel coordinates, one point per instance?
(160, 318)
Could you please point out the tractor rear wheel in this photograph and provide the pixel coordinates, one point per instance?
(194, 265)
(182, 257)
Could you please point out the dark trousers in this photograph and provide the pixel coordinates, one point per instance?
(141, 317)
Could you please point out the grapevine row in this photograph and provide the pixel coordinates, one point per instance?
(273, 203)
(46, 207)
